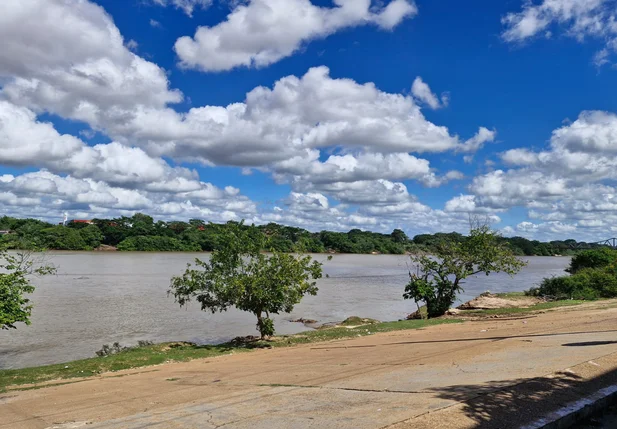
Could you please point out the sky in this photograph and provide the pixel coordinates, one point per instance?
(329, 114)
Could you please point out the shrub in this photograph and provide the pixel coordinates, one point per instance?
(586, 284)
(596, 258)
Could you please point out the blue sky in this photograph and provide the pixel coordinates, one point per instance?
(322, 114)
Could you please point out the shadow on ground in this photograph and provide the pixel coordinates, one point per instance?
(589, 343)
(519, 402)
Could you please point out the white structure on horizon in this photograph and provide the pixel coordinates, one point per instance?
(66, 218)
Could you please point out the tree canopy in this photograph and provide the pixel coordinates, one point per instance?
(437, 278)
(141, 232)
(17, 268)
(239, 275)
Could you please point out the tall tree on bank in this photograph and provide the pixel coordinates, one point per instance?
(437, 278)
(16, 271)
(239, 275)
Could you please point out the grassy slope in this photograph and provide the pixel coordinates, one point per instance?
(161, 353)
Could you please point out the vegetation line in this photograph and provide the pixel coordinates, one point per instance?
(141, 233)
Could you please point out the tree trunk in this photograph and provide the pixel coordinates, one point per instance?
(260, 325)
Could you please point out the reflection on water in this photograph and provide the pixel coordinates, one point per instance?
(99, 298)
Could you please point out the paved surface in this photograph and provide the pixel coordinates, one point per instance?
(487, 374)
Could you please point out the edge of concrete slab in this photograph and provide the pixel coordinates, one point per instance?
(577, 411)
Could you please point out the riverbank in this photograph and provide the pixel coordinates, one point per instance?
(353, 327)
(493, 373)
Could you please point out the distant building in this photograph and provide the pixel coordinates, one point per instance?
(86, 221)
(4, 231)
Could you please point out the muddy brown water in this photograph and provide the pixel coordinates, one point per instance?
(100, 298)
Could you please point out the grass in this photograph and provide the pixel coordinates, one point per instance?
(181, 352)
(342, 332)
(511, 295)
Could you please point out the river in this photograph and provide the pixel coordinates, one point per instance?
(100, 298)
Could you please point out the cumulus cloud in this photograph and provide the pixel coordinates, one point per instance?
(311, 112)
(24, 141)
(263, 32)
(568, 186)
(99, 81)
(70, 58)
(344, 147)
(47, 194)
(361, 167)
(423, 93)
(583, 151)
(579, 18)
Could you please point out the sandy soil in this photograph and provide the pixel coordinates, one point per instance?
(489, 301)
(478, 374)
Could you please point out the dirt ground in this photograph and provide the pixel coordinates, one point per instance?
(504, 373)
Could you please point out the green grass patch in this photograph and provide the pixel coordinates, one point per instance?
(360, 331)
(518, 310)
(172, 352)
(511, 295)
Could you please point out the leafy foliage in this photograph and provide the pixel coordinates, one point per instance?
(438, 278)
(593, 276)
(595, 258)
(15, 272)
(156, 244)
(239, 275)
(586, 284)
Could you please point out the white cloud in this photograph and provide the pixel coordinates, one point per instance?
(298, 114)
(343, 147)
(360, 167)
(579, 18)
(69, 58)
(423, 93)
(265, 31)
(520, 156)
(24, 141)
(569, 186)
(187, 6)
(119, 94)
(48, 195)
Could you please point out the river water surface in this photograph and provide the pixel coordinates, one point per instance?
(100, 298)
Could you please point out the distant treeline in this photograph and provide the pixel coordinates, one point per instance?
(141, 233)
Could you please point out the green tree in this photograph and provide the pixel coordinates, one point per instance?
(17, 268)
(62, 238)
(156, 244)
(438, 278)
(399, 236)
(92, 236)
(239, 275)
